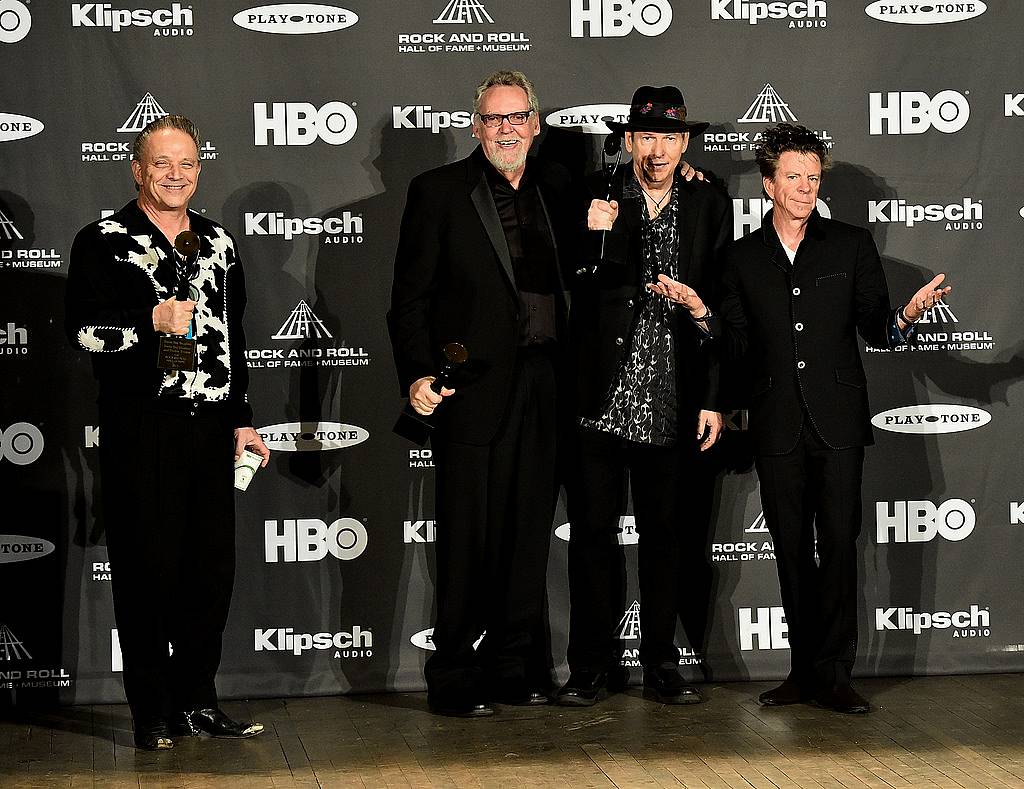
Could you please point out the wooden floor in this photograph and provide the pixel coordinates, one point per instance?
(937, 731)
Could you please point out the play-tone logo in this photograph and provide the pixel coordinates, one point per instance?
(295, 19)
(311, 436)
(15, 548)
(15, 21)
(617, 18)
(914, 112)
(18, 127)
(628, 535)
(424, 639)
(588, 118)
(931, 419)
(924, 13)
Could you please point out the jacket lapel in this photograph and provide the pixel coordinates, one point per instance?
(686, 223)
(483, 202)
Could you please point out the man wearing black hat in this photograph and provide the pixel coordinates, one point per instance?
(646, 392)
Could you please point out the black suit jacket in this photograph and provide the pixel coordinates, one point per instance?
(454, 283)
(796, 326)
(606, 295)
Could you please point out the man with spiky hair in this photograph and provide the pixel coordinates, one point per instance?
(169, 431)
(478, 263)
(795, 294)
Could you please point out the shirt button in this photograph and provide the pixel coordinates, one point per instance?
(796, 291)
(799, 327)
(618, 341)
(630, 304)
(801, 365)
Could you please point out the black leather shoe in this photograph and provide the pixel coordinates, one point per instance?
(214, 722)
(843, 698)
(525, 698)
(666, 685)
(459, 708)
(153, 737)
(583, 689)
(789, 692)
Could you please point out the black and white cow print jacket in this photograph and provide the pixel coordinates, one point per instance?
(123, 266)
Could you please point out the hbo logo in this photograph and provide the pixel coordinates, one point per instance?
(300, 123)
(612, 18)
(21, 443)
(914, 112)
(310, 539)
(920, 521)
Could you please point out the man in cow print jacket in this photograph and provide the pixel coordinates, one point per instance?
(168, 438)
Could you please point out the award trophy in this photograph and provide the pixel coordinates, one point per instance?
(417, 427)
(177, 352)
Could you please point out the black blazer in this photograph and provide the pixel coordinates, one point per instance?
(796, 328)
(606, 294)
(454, 283)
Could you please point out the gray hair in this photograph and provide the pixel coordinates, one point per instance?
(179, 122)
(515, 79)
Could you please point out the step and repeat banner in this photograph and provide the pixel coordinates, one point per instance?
(314, 118)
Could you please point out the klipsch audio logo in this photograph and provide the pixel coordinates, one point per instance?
(15, 548)
(15, 21)
(972, 623)
(922, 521)
(17, 127)
(964, 215)
(931, 419)
(173, 21)
(422, 531)
(344, 229)
(452, 16)
(13, 340)
(423, 116)
(311, 539)
(617, 18)
(924, 13)
(767, 107)
(811, 13)
(762, 628)
(588, 118)
(914, 112)
(295, 19)
(146, 110)
(353, 643)
(311, 436)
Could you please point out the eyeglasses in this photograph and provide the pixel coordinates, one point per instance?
(493, 120)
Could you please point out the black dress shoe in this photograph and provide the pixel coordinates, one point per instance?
(526, 698)
(153, 736)
(214, 722)
(665, 684)
(459, 708)
(843, 698)
(789, 692)
(583, 689)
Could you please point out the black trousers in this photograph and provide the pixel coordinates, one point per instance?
(169, 511)
(495, 504)
(813, 494)
(661, 479)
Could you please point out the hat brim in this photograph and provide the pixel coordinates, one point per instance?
(663, 125)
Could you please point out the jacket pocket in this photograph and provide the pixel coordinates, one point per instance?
(851, 376)
(830, 279)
